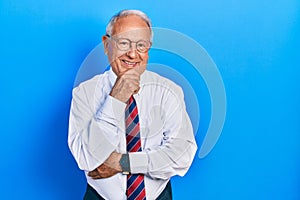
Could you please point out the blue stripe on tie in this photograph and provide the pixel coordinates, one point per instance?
(132, 106)
(137, 191)
(131, 180)
(136, 119)
(132, 143)
(127, 113)
(129, 108)
(131, 125)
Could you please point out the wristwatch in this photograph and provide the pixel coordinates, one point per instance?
(125, 164)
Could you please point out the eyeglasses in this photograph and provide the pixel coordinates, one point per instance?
(124, 44)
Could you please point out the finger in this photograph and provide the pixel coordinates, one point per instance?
(101, 168)
(127, 84)
(134, 71)
(93, 173)
(97, 177)
(129, 77)
(133, 88)
(104, 169)
(136, 90)
(108, 173)
(130, 72)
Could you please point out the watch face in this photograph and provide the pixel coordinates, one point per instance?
(124, 162)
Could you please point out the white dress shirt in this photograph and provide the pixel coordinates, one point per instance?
(97, 128)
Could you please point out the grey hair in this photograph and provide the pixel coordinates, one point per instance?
(124, 13)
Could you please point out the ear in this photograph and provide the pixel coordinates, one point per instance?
(105, 43)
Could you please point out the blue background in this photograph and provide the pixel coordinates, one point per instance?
(255, 45)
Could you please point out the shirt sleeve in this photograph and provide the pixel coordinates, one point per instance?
(93, 134)
(175, 155)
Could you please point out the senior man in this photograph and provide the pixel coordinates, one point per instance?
(129, 129)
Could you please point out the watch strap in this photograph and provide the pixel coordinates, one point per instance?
(125, 164)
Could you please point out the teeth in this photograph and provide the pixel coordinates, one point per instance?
(129, 63)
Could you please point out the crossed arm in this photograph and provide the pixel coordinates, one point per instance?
(94, 147)
(109, 168)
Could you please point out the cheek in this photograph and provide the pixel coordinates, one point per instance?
(113, 56)
(144, 64)
(145, 58)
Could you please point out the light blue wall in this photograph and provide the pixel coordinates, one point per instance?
(255, 45)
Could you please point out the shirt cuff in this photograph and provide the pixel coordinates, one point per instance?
(138, 163)
(113, 111)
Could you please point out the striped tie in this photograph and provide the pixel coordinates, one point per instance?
(135, 182)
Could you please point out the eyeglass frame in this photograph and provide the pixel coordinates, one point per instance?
(130, 43)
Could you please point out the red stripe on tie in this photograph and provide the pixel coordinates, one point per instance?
(136, 147)
(133, 133)
(134, 185)
(141, 195)
(129, 102)
(131, 116)
(129, 138)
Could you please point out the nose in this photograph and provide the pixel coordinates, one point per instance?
(132, 52)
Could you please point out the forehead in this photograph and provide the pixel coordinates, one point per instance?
(132, 27)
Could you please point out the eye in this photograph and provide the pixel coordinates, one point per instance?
(142, 44)
(123, 43)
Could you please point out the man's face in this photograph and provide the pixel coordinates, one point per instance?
(134, 29)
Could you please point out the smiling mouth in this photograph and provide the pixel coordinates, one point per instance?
(129, 64)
